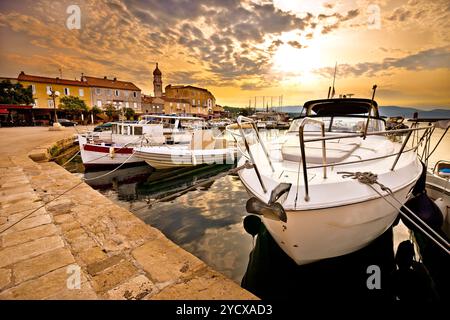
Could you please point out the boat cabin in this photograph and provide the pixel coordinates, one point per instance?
(343, 115)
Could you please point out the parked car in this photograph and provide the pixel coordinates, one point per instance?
(103, 127)
(66, 123)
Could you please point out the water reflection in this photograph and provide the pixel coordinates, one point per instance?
(208, 223)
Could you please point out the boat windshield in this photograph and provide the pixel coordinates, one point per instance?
(340, 124)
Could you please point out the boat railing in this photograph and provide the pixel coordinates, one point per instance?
(364, 134)
(301, 135)
(247, 123)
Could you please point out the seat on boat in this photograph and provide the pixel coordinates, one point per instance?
(336, 151)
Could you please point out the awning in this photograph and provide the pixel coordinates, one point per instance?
(4, 111)
(14, 106)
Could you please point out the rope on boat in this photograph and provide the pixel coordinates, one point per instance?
(109, 172)
(369, 178)
(246, 165)
(64, 164)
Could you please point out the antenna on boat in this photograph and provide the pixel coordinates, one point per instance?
(334, 80)
(374, 88)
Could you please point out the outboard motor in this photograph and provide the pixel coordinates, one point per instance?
(423, 206)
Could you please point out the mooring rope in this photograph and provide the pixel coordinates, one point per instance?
(370, 179)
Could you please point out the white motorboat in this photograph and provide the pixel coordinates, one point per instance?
(203, 148)
(312, 210)
(117, 146)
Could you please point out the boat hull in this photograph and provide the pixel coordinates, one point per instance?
(313, 235)
(97, 155)
(166, 161)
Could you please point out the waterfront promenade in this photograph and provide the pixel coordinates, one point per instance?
(84, 236)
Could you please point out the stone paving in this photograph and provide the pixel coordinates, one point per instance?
(81, 245)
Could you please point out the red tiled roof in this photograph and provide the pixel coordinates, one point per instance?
(27, 77)
(186, 87)
(110, 83)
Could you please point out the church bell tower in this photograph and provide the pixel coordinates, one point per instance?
(157, 82)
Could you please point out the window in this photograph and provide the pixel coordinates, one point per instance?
(99, 103)
(109, 92)
(67, 91)
(135, 105)
(127, 104)
(49, 88)
(126, 94)
(33, 88)
(198, 109)
(137, 131)
(50, 103)
(116, 92)
(98, 90)
(198, 102)
(81, 92)
(193, 102)
(36, 102)
(135, 94)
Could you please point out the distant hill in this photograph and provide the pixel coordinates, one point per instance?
(406, 112)
(387, 111)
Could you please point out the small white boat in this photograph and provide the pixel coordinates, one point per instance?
(203, 149)
(312, 211)
(117, 146)
(101, 153)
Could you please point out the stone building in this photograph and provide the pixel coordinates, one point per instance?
(201, 101)
(179, 99)
(121, 94)
(152, 105)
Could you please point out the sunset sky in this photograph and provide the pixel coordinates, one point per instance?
(241, 49)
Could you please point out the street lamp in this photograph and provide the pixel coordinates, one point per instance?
(53, 94)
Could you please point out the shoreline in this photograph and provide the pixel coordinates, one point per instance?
(118, 255)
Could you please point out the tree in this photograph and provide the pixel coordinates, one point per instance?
(110, 111)
(96, 110)
(15, 93)
(73, 104)
(128, 113)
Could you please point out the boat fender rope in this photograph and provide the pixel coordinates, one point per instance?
(370, 179)
(366, 178)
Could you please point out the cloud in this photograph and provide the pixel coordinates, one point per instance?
(329, 28)
(424, 60)
(400, 14)
(295, 44)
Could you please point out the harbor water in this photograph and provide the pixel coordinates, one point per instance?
(208, 221)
